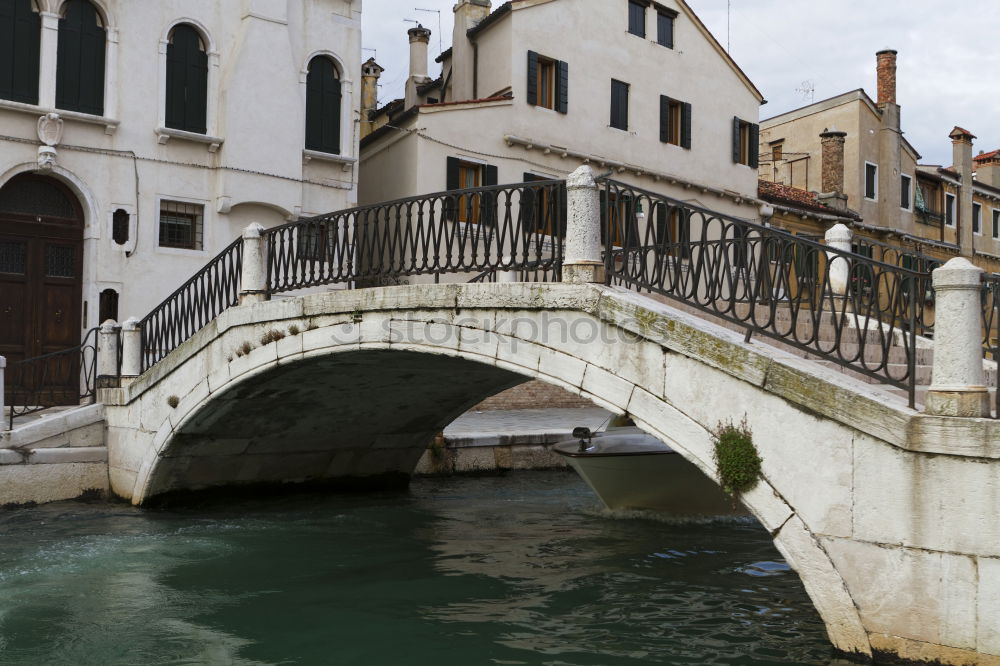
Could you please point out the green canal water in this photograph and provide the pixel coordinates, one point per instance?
(522, 569)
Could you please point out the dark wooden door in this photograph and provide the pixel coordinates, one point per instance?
(41, 271)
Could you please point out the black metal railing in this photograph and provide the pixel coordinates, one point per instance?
(478, 230)
(909, 259)
(767, 281)
(991, 328)
(193, 305)
(65, 377)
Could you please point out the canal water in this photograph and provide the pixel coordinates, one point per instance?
(521, 569)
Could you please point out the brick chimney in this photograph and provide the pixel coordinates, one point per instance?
(961, 162)
(886, 76)
(419, 37)
(370, 73)
(988, 168)
(832, 169)
(468, 14)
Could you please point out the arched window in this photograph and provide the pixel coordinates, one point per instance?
(20, 31)
(80, 63)
(187, 80)
(323, 106)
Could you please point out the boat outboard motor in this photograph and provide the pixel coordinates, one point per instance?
(582, 433)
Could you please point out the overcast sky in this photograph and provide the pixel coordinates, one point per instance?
(948, 73)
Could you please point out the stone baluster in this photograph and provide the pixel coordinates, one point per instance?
(839, 238)
(131, 348)
(107, 349)
(253, 276)
(958, 384)
(583, 262)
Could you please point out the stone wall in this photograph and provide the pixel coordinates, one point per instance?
(532, 395)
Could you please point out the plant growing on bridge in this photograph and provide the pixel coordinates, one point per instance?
(244, 349)
(271, 336)
(173, 401)
(736, 457)
(293, 330)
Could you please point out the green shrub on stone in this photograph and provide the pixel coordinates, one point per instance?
(736, 458)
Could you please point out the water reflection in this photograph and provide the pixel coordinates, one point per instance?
(518, 570)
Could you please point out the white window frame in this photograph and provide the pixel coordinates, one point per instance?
(864, 182)
(949, 197)
(909, 200)
(207, 243)
(995, 221)
(164, 133)
(977, 206)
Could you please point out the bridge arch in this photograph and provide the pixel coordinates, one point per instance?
(410, 359)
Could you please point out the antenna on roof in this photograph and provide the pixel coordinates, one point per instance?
(729, 11)
(438, 12)
(374, 51)
(808, 91)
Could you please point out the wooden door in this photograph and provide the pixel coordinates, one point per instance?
(41, 270)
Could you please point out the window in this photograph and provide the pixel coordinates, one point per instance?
(187, 80)
(776, 152)
(675, 122)
(673, 230)
(665, 27)
(80, 59)
(637, 18)
(619, 105)
(317, 241)
(474, 208)
(996, 224)
(20, 32)
(119, 227)
(977, 219)
(871, 181)
(746, 137)
(323, 106)
(542, 215)
(905, 196)
(181, 225)
(949, 210)
(107, 306)
(548, 83)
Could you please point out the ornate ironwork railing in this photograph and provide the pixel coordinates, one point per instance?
(991, 327)
(477, 230)
(65, 377)
(911, 260)
(194, 304)
(767, 281)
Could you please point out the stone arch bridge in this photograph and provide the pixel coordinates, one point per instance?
(887, 514)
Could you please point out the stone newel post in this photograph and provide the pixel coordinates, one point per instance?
(253, 277)
(839, 237)
(958, 384)
(3, 364)
(131, 348)
(583, 262)
(107, 350)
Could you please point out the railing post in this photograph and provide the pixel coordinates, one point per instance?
(583, 262)
(958, 384)
(839, 237)
(253, 276)
(3, 364)
(131, 348)
(107, 349)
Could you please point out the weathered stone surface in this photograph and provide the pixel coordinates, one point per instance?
(21, 484)
(988, 630)
(11, 456)
(76, 454)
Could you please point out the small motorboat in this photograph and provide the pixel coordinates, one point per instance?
(629, 469)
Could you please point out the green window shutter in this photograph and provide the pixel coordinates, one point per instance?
(532, 78)
(685, 125)
(562, 87)
(488, 199)
(753, 145)
(664, 118)
(323, 100)
(490, 175)
(451, 177)
(187, 81)
(736, 139)
(20, 32)
(80, 59)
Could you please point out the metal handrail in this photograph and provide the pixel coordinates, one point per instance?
(741, 272)
(34, 384)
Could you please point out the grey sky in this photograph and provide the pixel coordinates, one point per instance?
(947, 73)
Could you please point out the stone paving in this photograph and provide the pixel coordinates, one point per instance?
(522, 426)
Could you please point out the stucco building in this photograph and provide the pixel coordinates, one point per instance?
(848, 155)
(139, 138)
(642, 91)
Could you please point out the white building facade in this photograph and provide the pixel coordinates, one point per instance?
(137, 139)
(535, 88)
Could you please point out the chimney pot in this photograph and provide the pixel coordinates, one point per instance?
(832, 166)
(886, 76)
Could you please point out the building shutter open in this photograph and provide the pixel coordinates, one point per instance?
(562, 87)
(737, 123)
(488, 199)
(753, 146)
(451, 183)
(532, 78)
(664, 118)
(685, 125)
